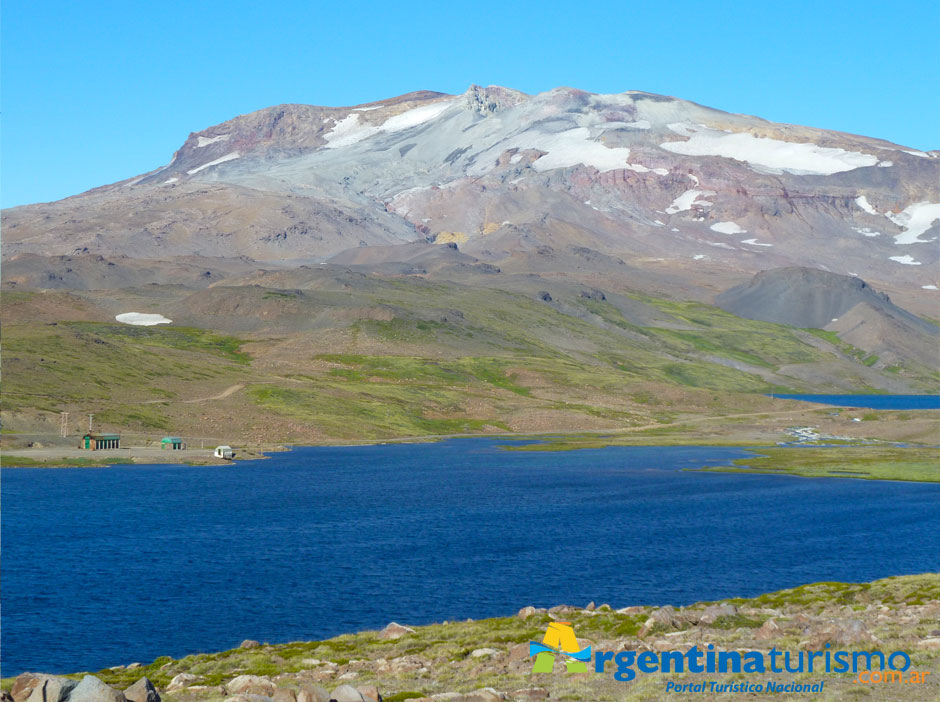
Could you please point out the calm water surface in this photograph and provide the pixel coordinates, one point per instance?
(105, 567)
(895, 402)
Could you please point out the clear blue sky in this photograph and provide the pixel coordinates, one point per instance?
(94, 92)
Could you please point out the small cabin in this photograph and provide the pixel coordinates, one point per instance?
(224, 452)
(172, 443)
(97, 442)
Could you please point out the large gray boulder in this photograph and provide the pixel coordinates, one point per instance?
(347, 693)
(313, 693)
(142, 691)
(34, 687)
(91, 689)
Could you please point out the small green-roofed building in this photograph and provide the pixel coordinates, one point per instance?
(172, 443)
(96, 442)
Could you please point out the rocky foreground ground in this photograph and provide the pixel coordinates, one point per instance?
(488, 660)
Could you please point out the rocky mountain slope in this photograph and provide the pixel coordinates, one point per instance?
(845, 305)
(484, 262)
(524, 182)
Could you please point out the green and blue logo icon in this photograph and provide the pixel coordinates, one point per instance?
(559, 640)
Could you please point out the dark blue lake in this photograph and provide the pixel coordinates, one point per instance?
(893, 402)
(105, 567)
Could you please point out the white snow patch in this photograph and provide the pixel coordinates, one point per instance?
(699, 257)
(639, 124)
(366, 109)
(142, 319)
(866, 231)
(682, 128)
(772, 154)
(754, 242)
(412, 118)
(906, 260)
(348, 131)
(223, 159)
(640, 168)
(720, 245)
(930, 287)
(693, 178)
(915, 220)
(673, 229)
(170, 180)
(916, 153)
(515, 158)
(885, 164)
(727, 228)
(689, 198)
(573, 147)
(505, 222)
(862, 202)
(205, 141)
(659, 224)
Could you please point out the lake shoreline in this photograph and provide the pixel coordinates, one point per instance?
(464, 660)
(542, 442)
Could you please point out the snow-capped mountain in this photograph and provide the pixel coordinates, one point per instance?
(523, 182)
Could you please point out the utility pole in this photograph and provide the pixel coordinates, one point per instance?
(90, 417)
(64, 424)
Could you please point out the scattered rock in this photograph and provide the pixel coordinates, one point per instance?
(249, 643)
(91, 689)
(846, 633)
(182, 680)
(713, 612)
(395, 631)
(483, 652)
(250, 684)
(932, 642)
(593, 295)
(142, 691)
(347, 693)
(544, 296)
(313, 693)
(662, 617)
(348, 676)
(370, 692)
(635, 609)
(284, 694)
(519, 652)
(531, 694)
(591, 607)
(768, 631)
(526, 612)
(484, 694)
